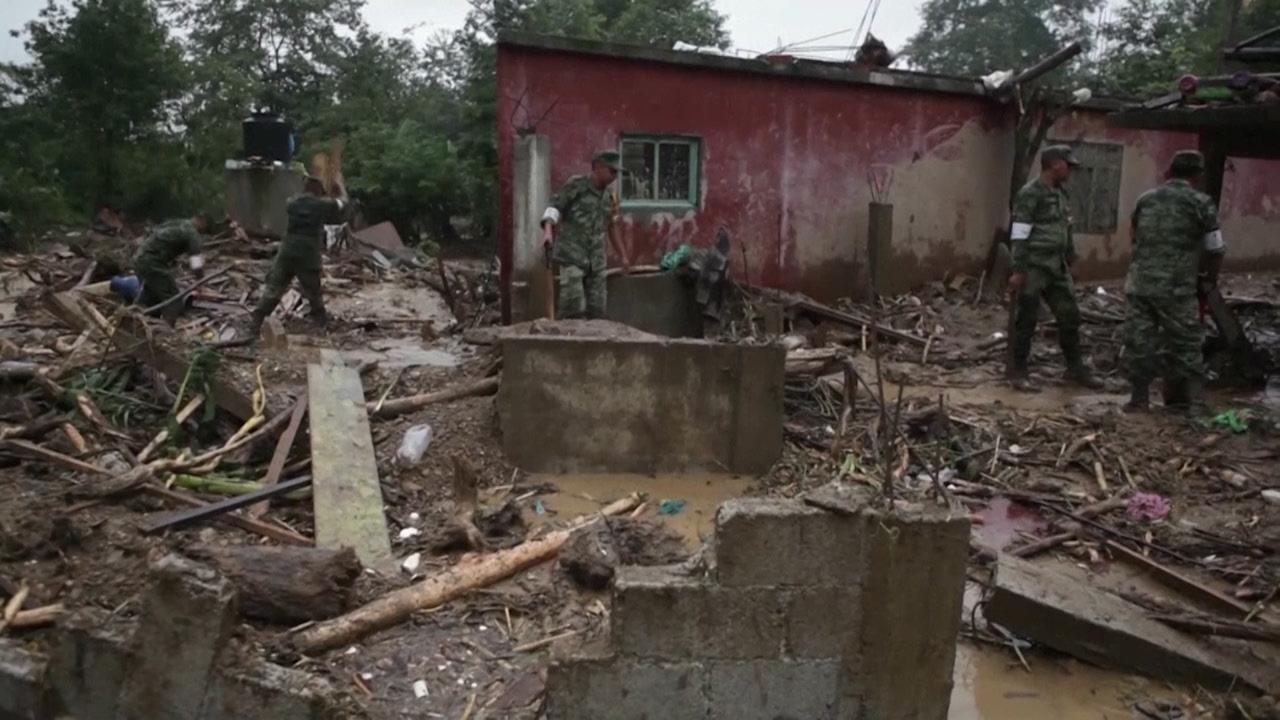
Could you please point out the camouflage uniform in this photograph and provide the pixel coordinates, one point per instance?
(1172, 224)
(300, 255)
(155, 257)
(1045, 256)
(584, 211)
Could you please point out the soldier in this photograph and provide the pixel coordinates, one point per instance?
(300, 253)
(1177, 254)
(1043, 253)
(156, 255)
(583, 210)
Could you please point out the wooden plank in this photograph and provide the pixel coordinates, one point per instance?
(280, 455)
(182, 518)
(346, 490)
(264, 529)
(850, 319)
(1177, 581)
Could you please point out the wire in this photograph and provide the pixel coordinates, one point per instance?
(874, 13)
(863, 23)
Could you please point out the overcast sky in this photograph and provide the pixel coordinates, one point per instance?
(758, 25)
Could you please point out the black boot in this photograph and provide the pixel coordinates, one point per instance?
(1019, 377)
(1079, 373)
(254, 329)
(1176, 394)
(1140, 397)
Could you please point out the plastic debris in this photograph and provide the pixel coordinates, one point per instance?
(409, 532)
(1148, 506)
(1230, 419)
(420, 689)
(414, 445)
(671, 507)
(411, 563)
(539, 508)
(1272, 496)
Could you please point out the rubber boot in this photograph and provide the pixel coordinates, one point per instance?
(1079, 374)
(1196, 403)
(1139, 397)
(1176, 395)
(320, 320)
(1020, 377)
(254, 328)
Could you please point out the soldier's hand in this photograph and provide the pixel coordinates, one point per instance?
(548, 237)
(1016, 281)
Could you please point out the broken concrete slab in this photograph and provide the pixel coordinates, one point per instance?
(588, 405)
(187, 618)
(658, 303)
(1060, 608)
(345, 487)
(22, 694)
(590, 689)
(89, 664)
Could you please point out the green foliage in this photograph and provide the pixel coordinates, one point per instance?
(108, 387)
(1152, 42)
(976, 37)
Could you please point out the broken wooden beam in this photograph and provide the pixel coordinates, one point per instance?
(1063, 610)
(258, 527)
(453, 583)
(860, 322)
(400, 406)
(346, 491)
(1179, 582)
(182, 518)
(281, 454)
(1220, 628)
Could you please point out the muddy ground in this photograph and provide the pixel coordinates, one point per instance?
(1014, 460)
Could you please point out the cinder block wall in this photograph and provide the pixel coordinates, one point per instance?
(570, 404)
(807, 614)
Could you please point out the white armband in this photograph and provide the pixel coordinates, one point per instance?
(197, 262)
(552, 216)
(1020, 231)
(341, 203)
(1213, 242)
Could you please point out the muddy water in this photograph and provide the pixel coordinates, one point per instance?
(701, 494)
(990, 684)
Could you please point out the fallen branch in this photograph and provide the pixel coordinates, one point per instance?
(14, 605)
(183, 415)
(214, 485)
(391, 408)
(194, 286)
(37, 617)
(453, 583)
(1220, 628)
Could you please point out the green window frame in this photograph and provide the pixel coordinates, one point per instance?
(660, 171)
(1094, 188)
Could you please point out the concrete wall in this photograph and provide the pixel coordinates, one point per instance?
(659, 303)
(257, 198)
(1250, 213)
(806, 614)
(604, 405)
(531, 191)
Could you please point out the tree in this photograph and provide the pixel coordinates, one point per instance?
(1151, 42)
(976, 37)
(102, 79)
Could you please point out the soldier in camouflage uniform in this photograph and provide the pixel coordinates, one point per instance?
(580, 214)
(300, 253)
(1177, 253)
(1043, 252)
(152, 263)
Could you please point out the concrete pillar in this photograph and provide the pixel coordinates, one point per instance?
(879, 249)
(258, 197)
(530, 193)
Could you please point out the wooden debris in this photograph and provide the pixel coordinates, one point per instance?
(14, 605)
(453, 583)
(161, 437)
(286, 585)
(830, 313)
(37, 617)
(280, 455)
(266, 530)
(183, 518)
(1217, 627)
(1177, 581)
(346, 491)
(391, 408)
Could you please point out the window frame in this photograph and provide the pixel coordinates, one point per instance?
(694, 142)
(1080, 226)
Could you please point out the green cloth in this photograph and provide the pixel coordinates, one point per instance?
(1170, 224)
(1047, 211)
(675, 258)
(584, 220)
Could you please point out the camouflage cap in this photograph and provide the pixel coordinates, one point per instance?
(1187, 161)
(610, 158)
(1059, 152)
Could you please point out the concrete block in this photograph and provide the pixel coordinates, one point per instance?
(269, 692)
(659, 303)
(822, 621)
(258, 198)
(626, 690)
(88, 666)
(22, 688)
(773, 689)
(763, 541)
(188, 614)
(1063, 610)
(572, 404)
(900, 665)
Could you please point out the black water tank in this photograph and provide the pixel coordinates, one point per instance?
(269, 136)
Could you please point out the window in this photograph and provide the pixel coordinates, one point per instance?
(660, 171)
(1095, 187)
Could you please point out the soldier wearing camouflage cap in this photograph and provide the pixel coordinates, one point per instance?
(1177, 254)
(574, 228)
(1043, 252)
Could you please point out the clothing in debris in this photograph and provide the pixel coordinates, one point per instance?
(581, 212)
(154, 261)
(1043, 249)
(1172, 226)
(300, 255)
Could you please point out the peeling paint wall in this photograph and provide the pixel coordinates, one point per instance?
(785, 160)
(1250, 214)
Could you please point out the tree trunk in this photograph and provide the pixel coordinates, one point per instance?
(286, 585)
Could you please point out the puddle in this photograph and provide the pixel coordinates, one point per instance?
(991, 684)
(1004, 522)
(701, 493)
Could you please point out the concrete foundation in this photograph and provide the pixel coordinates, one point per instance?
(172, 667)
(807, 614)
(571, 405)
(258, 196)
(658, 303)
